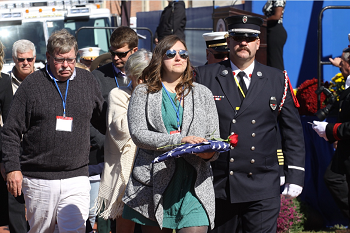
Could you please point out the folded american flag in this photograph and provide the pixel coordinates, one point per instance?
(209, 146)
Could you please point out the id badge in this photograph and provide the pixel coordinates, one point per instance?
(175, 132)
(64, 123)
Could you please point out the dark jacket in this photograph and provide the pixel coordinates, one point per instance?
(250, 171)
(172, 21)
(5, 100)
(340, 132)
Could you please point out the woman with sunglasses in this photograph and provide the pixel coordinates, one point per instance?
(169, 109)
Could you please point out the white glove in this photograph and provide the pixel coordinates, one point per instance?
(282, 180)
(292, 190)
(320, 128)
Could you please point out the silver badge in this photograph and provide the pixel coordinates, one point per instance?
(273, 103)
(259, 73)
(224, 72)
(244, 19)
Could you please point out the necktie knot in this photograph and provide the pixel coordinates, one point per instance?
(241, 74)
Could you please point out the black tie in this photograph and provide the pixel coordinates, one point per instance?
(242, 84)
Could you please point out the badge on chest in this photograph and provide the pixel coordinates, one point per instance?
(273, 103)
(64, 123)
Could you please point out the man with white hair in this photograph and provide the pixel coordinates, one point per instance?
(23, 55)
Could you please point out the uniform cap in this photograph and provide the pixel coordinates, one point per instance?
(89, 53)
(216, 41)
(244, 25)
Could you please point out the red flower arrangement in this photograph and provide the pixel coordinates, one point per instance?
(308, 99)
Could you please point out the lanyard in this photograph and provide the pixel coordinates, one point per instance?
(176, 110)
(65, 98)
(115, 78)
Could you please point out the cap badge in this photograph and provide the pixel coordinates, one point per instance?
(90, 49)
(259, 73)
(273, 103)
(244, 19)
(224, 72)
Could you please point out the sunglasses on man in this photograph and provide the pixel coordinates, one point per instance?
(29, 59)
(244, 38)
(171, 53)
(119, 54)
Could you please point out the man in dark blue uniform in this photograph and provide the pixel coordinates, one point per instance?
(253, 100)
(339, 132)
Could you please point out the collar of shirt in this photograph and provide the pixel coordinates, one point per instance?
(347, 82)
(14, 80)
(53, 78)
(247, 71)
(117, 70)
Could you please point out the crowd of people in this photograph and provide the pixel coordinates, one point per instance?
(79, 139)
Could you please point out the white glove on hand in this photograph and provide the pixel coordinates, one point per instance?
(320, 128)
(282, 180)
(292, 191)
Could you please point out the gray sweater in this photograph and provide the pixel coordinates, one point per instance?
(147, 183)
(47, 153)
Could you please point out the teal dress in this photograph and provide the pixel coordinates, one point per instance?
(181, 206)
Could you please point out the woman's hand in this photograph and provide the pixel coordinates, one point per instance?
(193, 139)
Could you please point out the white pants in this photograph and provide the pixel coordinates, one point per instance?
(63, 201)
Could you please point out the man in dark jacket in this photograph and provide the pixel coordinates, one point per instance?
(248, 98)
(340, 132)
(172, 21)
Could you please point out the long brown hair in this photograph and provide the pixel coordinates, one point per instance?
(151, 75)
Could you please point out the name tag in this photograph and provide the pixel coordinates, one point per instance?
(64, 123)
(175, 132)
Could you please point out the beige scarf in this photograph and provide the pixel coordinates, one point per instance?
(119, 155)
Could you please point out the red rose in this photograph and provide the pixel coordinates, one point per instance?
(233, 139)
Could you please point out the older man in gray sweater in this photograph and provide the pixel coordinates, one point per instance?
(53, 109)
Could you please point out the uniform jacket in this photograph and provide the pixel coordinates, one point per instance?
(340, 132)
(148, 181)
(250, 171)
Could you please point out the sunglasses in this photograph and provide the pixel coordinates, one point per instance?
(171, 53)
(119, 54)
(244, 38)
(30, 59)
(59, 60)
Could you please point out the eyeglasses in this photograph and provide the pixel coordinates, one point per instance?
(119, 54)
(244, 38)
(29, 59)
(171, 53)
(59, 60)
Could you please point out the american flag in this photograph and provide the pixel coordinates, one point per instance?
(209, 146)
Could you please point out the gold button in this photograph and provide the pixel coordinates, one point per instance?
(253, 121)
(253, 134)
(252, 148)
(252, 161)
(231, 173)
(233, 121)
(250, 173)
(232, 159)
